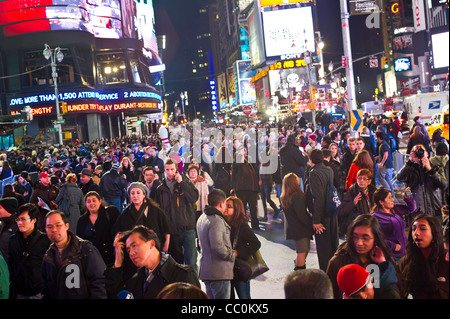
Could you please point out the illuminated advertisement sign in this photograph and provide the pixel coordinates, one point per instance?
(102, 18)
(212, 85)
(365, 6)
(231, 85)
(402, 64)
(267, 3)
(247, 92)
(288, 31)
(440, 45)
(222, 91)
(95, 107)
(80, 95)
(87, 101)
(288, 64)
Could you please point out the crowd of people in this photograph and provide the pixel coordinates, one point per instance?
(130, 216)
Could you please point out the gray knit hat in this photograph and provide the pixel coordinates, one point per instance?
(138, 185)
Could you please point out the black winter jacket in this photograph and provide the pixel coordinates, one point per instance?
(25, 261)
(167, 272)
(244, 177)
(178, 205)
(292, 160)
(103, 231)
(79, 257)
(348, 211)
(426, 187)
(112, 185)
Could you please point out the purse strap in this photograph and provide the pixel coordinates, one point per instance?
(236, 237)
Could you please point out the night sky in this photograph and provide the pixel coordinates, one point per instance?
(174, 18)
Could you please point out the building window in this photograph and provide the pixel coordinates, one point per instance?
(38, 70)
(111, 68)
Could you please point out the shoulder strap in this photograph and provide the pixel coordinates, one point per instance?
(236, 236)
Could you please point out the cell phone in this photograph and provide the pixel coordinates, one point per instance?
(408, 193)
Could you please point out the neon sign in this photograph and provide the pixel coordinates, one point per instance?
(212, 84)
(100, 108)
(82, 95)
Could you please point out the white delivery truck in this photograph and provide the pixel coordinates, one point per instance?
(373, 107)
(425, 105)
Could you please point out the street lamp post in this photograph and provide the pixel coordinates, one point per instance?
(308, 63)
(54, 56)
(182, 103)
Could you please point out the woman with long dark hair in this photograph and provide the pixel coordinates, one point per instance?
(365, 245)
(298, 223)
(96, 225)
(424, 267)
(245, 243)
(418, 137)
(390, 218)
(357, 200)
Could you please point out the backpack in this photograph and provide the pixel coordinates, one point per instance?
(333, 199)
(64, 205)
(391, 142)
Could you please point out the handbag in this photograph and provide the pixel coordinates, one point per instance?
(246, 269)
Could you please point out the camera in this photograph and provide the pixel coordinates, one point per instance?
(420, 152)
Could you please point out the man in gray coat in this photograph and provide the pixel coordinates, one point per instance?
(217, 260)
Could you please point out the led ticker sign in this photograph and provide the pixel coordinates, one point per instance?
(83, 95)
(95, 107)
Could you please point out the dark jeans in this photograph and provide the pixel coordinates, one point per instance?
(266, 191)
(250, 198)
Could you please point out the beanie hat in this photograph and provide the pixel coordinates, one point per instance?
(313, 137)
(352, 278)
(10, 204)
(115, 166)
(43, 174)
(138, 185)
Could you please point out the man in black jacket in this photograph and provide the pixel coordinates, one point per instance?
(72, 268)
(26, 252)
(113, 187)
(87, 184)
(292, 159)
(155, 268)
(176, 195)
(325, 226)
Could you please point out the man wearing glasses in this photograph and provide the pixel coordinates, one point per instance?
(26, 251)
(72, 268)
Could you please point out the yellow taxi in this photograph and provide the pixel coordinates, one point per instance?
(439, 121)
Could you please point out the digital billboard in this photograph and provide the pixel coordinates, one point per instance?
(246, 88)
(288, 31)
(402, 64)
(102, 18)
(440, 44)
(267, 3)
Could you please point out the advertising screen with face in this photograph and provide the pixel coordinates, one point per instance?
(288, 31)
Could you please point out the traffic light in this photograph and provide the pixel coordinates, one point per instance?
(139, 119)
(64, 108)
(384, 62)
(312, 92)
